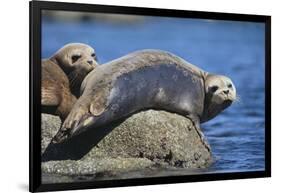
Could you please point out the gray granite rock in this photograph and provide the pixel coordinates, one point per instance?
(49, 126)
(145, 140)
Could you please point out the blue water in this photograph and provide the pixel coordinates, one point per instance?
(234, 49)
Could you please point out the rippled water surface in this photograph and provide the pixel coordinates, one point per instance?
(235, 49)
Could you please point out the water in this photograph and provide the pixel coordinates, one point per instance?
(234, 49)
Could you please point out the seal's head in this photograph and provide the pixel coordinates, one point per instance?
(76, 60)
(220, 93)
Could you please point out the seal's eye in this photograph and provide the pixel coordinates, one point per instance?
(75, 58)
(229, 85)
(94, 56)
(214, 89)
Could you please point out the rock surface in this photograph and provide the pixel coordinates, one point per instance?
(145, 140)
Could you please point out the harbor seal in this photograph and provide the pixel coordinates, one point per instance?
(146, 79)
(62, 75)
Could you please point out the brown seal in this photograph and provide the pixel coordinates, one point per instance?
(147, 79)
(62, 75)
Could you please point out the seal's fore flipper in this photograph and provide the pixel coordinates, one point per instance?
(72, 121)
(196, 123)
(66, 133)
(86, 122)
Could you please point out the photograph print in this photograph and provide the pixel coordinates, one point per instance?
(127, 96)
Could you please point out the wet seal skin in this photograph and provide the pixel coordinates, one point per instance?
(146, 79)
(62, 75)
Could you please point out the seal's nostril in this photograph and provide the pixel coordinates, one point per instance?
(226, 91)
(90, 61)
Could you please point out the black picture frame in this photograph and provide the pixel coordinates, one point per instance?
(35, 98)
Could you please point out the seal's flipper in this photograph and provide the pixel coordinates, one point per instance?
(196, 124)
(75, 117)
(61, 136)
(77, 128)
(87, 121)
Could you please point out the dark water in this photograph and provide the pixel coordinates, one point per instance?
(234, 49)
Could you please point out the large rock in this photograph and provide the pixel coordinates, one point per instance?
(144, 140)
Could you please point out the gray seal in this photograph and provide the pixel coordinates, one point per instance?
(146, 79)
